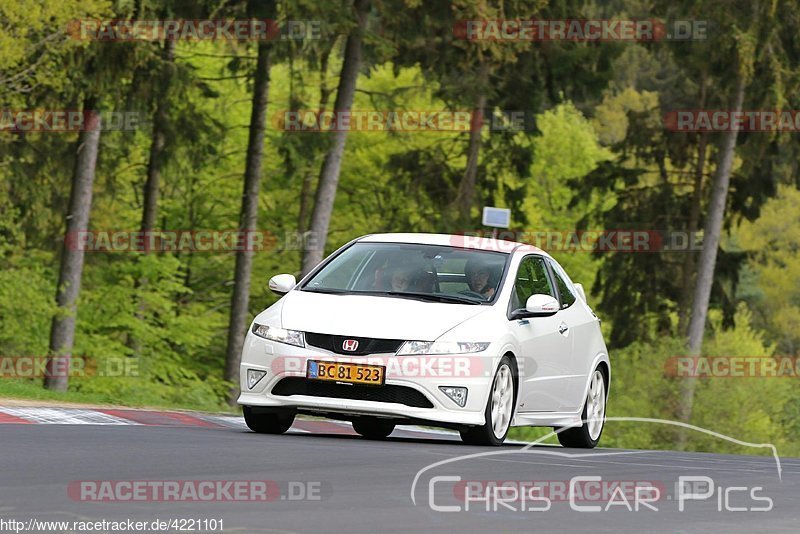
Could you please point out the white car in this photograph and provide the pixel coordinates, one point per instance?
(461, 332)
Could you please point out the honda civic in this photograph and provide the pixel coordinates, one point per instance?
(469, 333)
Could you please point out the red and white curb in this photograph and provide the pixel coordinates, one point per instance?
(120, 416)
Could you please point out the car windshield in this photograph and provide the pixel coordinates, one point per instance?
(404, 270)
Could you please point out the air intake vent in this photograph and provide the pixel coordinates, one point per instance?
(366, 345)
(388, 393)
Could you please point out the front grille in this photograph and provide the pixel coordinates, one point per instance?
(366, 345)
(386, 393)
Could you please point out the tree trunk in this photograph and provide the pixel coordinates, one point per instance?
(155, 163)
(708, 258)
(247, 222)
(329, 175)
(308, 178)
(305, 202)
(62, 331)
(466, 189)
(693, 223)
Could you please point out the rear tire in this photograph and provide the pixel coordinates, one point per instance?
(499, 409)
(372, 427)
(593, 416)
(267, 423)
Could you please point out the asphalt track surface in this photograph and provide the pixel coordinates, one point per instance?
(358, 485)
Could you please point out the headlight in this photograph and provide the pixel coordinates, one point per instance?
(281, 335)
(440, 347)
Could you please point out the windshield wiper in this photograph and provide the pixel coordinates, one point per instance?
(330, 291)
(436, 297)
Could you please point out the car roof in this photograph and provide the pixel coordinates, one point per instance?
(461, 241)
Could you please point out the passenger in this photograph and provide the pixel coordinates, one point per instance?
(401, 279)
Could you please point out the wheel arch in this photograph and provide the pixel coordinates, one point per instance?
(515, 377)
(600, 362)
(606, 370)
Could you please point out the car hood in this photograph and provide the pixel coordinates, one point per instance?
(372, 316)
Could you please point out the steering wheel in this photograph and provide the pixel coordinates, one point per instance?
(469, 293)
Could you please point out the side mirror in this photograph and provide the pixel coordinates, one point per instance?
(541, 306)
(581, 292)
(282, 283)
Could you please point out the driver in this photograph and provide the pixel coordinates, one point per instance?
(479, 278)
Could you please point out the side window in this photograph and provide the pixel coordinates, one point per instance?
(564, 289)
(531, 279)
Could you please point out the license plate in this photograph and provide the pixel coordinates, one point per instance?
(349, 373)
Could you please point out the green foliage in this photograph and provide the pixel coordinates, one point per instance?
(773, 269)
(172, 364)
(596, 156)
(745, 408)
(34, 39)
(567, 149)
(26, 307)
(751, 409)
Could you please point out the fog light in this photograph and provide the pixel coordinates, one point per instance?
(456, 394)
(253, 377)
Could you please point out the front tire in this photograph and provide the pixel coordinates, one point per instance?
(593, 417)
(499, 409)
(372, 427)
(267, 423)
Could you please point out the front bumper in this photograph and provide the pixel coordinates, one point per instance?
(422, 373)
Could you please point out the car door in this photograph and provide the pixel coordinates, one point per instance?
(578, 321)
(546, 352)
